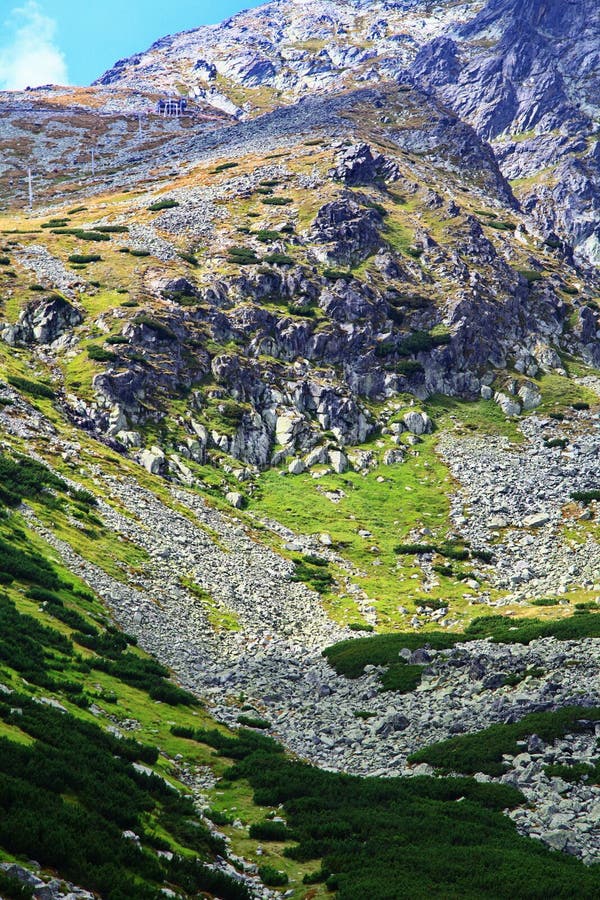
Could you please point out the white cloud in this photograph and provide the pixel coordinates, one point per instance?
(30, 55)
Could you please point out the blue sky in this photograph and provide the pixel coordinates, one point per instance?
(74, 41)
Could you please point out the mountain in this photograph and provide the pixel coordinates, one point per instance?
(524, 75)
(299, 479)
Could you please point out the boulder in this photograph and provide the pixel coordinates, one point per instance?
(508, 405)
(153, 460)
(358, 164)
(296, 467)
(417, 423)
(43, 322)
(536, 520)
(235, 499)
(339, 461)
(530, 396)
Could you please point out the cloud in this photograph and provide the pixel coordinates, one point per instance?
(30, 56)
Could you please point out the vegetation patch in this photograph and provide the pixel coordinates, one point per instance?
(483, 751)
(33, 388)
(163, 204)
(426, 835)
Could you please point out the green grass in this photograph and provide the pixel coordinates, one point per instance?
(413, 494)
(560, 392)
(220, 617)
(479, 417)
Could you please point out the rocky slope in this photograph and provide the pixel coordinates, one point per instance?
(324, 351)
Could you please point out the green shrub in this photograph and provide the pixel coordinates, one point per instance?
(530, 275)
(224, 166)
(112, 229)
(422, 342)
(163, 204)
(12, 889)
(98, 354)
(401, 677)
(140, 253)
(242, 256)
(277, 201)
(502, 226)
(418, 549)
(409, 367)
(253, 722)
(314, 574)
(33, 388)
(278, 259)
(580, 406)
(4, 261)
(272, 877)
(84, 258)
(266, 237)
(164, 332)
(188, 258)
(378, 835)
(270, 831)
(483, 751)
(94, 236)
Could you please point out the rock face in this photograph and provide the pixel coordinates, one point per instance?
(43, 322)
(351, 231)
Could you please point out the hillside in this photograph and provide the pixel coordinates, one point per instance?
(299, 470)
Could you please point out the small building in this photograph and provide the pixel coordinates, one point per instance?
(171, 106)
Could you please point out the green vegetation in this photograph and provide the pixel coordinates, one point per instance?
(314, 572)
(188, 258)
(350, 657)
(337, 275)
(242, 256)
(84, 258)
(162, 204)
(162, 330)
(530, 275)
(483, 751)
(33, 388)
(224, 166)
(68, 789)
(94, 236)
(277, 201)
(586, 497)
(278, 259)
(377, 837)
(266, 237)
(253, 722)
(98, 354)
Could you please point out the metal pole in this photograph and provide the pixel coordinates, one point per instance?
(30, 183)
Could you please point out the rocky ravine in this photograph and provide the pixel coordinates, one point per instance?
(274, 661)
